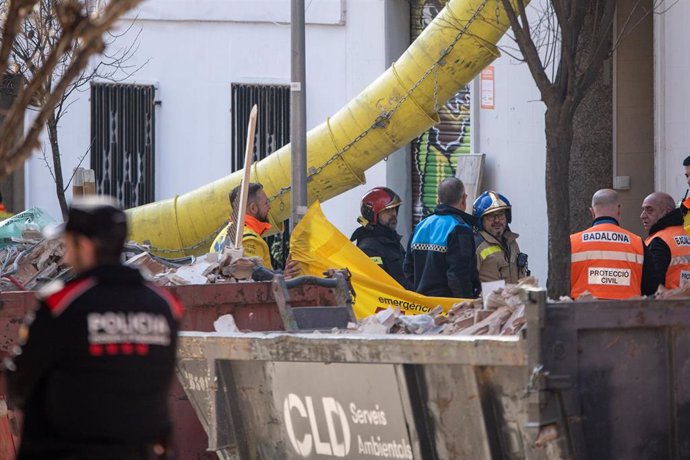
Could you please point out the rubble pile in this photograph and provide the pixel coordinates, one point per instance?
(31, 262)
(682, 292)
(504, 315)
(206, 269)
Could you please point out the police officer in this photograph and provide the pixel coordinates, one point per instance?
(498, 253)
(669, 245)
(98, 355)
(441, 257)
(377, 236)
(606, 260)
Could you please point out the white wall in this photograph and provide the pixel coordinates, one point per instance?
(193, 63)
(363, 59)
(193, 58)
(512, 137)
(672, 107)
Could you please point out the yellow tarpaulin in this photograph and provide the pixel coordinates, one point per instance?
(318, 245)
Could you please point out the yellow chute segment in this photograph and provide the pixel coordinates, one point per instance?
(317, 245)
(389, 113)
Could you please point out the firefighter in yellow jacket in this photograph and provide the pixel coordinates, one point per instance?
(606, 260)
(255, 225)
(498, 253)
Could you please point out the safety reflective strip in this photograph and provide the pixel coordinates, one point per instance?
(680, 260)
(429, 247)
(377, 260)
(607, 255)
(486, 252)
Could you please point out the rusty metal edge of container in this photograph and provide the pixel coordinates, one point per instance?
(354, 348)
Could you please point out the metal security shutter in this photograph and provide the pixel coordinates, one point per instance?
(273, 124)
(123, 141)
(435, 152)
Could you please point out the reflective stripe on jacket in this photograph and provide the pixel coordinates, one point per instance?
(606, 260)
(254, 245)
(441, 259)
(496, 261)
(678, 242)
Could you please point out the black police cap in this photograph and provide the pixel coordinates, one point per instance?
(94, 216)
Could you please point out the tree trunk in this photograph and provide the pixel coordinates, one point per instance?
(559, 140)
(591, 155)
(57, 164)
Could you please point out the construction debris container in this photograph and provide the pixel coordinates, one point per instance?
(589, 380)
(252, 305)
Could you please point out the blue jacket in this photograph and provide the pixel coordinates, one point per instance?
(441, 259)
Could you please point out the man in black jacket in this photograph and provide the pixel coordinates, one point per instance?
(97, 356)
(377, 236)
(668, 245)
(441, 257)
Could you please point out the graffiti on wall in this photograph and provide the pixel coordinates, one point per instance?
(435, 152)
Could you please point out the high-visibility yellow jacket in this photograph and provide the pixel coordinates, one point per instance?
(4, 213)
(253, 244)
(606, 260)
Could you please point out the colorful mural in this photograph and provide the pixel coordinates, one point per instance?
(435, 152)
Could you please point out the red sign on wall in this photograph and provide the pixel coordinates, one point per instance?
(486, 88)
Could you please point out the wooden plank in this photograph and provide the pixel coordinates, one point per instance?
(89, 181)
(78, 183)
(470, 170)
(248, 158)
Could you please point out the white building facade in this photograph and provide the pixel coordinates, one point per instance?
(193, 51)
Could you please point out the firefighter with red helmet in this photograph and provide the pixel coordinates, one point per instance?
(498, 253)
(377, 237)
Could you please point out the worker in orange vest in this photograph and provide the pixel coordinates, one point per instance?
(607, 260)
(668, 244)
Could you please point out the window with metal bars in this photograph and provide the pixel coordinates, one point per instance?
(123, 141)
(272, 125)
(272, 132)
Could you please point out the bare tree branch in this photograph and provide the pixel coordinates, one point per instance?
(80, 32)
(82, 157)
(44, 154)
(529, 51)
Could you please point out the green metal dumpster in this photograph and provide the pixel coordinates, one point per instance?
(590, 380)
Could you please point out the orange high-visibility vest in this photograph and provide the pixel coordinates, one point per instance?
(678, 272)
(606, 260)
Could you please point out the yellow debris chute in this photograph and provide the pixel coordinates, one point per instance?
(394, 109)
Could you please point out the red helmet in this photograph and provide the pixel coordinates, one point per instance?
(377, 200)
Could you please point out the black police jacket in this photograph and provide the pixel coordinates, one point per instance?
(441, 258)
(382, 245)
(95, 365)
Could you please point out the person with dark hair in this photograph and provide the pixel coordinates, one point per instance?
(377, 236)
(668, 244)
(686, 166)
(98, 355)
(441, 258)
(256, 223)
